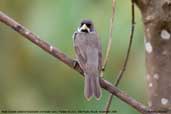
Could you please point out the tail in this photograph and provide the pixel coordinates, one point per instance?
(92, 87)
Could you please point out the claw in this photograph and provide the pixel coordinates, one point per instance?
(75, 63)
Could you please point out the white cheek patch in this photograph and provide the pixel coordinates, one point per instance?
(88, 30)
(78, 29)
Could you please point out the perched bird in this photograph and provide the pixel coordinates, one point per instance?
(89, 56)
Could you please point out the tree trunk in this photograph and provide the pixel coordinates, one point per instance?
(156, 16)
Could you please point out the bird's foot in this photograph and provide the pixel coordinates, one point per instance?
(75, 63)
(102, 72)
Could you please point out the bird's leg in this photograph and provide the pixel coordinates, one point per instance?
(75, 63)
(103, 69)
(102, 72)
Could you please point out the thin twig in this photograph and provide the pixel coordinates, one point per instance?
(70, 62)
(109, 45)
(120, 75)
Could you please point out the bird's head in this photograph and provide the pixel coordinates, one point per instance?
(86, 26)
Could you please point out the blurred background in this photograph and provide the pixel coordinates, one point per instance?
(31, 79)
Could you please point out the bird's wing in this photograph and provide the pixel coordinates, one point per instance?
(79, 49)
(94, 43)
(100, 54)
(88, 50)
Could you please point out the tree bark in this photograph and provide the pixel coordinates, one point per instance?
(156, 16)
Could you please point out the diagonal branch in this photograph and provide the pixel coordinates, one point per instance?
(120, 75)
(70, 62)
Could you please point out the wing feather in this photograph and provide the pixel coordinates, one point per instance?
(84, 45)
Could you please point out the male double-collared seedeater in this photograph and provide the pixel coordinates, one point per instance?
(89, 56)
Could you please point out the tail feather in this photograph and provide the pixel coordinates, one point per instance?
(92, 87)
(88, 91)
(96, 88)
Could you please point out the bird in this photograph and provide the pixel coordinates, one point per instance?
(88, 50)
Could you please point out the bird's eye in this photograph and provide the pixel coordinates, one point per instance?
(82, 24)
(88, 25)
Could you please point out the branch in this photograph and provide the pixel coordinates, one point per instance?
(68, 61)
(120, 75)
(109, 45)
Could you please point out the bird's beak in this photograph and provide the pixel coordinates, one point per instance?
(84, 27)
